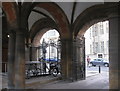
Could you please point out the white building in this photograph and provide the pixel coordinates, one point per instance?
(97, 40)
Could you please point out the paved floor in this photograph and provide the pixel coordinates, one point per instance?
(98, 81)
(94, 80)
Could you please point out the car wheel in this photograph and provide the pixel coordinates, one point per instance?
(106, 64)
(91, 64)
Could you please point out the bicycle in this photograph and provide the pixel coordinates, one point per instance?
(54, 69)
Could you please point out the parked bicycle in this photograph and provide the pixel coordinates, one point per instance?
(54, 69)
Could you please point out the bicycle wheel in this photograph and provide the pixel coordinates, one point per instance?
(54, 72)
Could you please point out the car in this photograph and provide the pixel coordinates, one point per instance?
(99, 62)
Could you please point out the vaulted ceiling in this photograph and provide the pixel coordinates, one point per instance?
(71, 9)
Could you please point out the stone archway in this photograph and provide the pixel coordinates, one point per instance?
(11, 12)
(96, 14)
(65, 35)
(93, 15)
(36, 32)
(58, 15)
(39, 26)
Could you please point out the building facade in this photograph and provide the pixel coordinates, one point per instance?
(97, 40)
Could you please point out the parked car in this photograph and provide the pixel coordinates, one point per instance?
(99, 62)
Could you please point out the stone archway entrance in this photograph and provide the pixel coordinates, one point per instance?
(113, 17)
(69, 39)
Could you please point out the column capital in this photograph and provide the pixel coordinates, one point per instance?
(66, 40)
(22, 31)
(11, 31)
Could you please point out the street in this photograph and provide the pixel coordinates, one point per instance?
(92, 68)
(90, 71)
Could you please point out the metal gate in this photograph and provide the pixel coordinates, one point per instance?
(46, 63)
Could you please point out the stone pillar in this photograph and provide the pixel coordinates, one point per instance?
(27, 55)
(0, 51)
(11, 60)
(34, 53)
(79, 58)
(38, 53)
(66, 59)
(114, 50)
(30, 54)
(20, 61)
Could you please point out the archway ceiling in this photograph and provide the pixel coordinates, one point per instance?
(71, 10)
(67, 7)
(37, 14)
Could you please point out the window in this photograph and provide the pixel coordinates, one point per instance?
(96, 47)
(96, 29)
(51, 33)
(90, 33)
(93, 32)
(96, 32)
(102, 46)
(91, 49)
(52, 50)
(107, 43)
(101, 28)
(107, 27)
(100, 55)
(99, 59)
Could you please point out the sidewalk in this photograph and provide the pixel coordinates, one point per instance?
(96, 82)
(41, 80)
(91, 73)
(37, 82)
(32, 81)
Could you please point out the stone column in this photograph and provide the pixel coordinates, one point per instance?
(79, 58)
(66, 59)
(34, 53)
(114, 51)
(27, 51)
(0, 51)
(20, 61)
(11, 60)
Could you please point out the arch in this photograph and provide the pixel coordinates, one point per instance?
(93, 15)
(58, 15)
(41, 26)
(36, 39)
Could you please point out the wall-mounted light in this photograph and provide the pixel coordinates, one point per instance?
(8, 35)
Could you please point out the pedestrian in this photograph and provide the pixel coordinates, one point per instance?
(88, 60)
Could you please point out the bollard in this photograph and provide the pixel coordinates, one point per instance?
(99, 69)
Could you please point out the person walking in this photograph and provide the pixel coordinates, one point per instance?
(88, 60)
